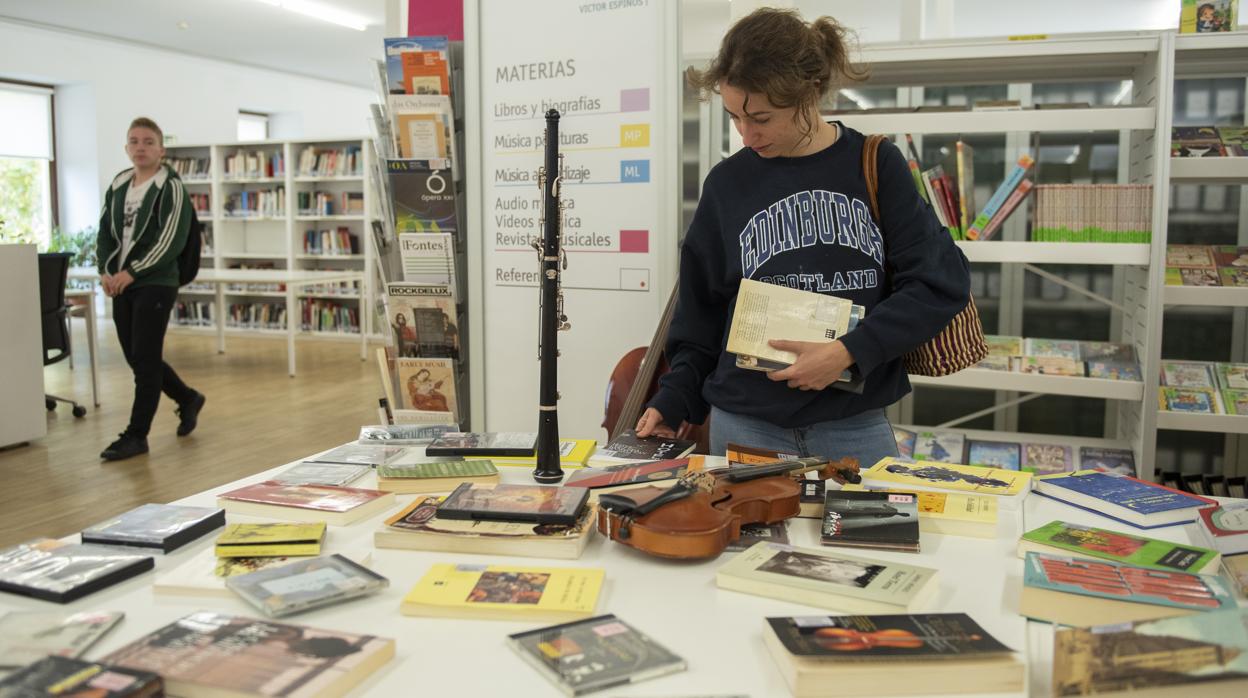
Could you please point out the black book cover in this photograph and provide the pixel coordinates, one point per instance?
(628, 446)
(62, 676)
(163, 527)
(53, 570)
(885, 520)
(422, 196)
(459, 443)
(596, 653)
(921, 635)
(537, 503)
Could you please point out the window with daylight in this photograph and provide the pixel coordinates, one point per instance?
(26, 151)
(253, 126)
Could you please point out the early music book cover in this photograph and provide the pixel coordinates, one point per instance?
(766, 311)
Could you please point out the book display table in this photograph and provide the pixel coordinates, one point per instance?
(719, 632)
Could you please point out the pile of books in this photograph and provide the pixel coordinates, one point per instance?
(1039, 458)
(1208, 141)
(950, 189)
(1206, 265)
(1199, 387)
(1093, 213)
(1061, 357)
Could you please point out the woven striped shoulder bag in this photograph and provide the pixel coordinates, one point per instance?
(961, 344)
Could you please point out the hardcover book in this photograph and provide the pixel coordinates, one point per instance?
(1225, 527)
(1126, 499)
(1087, 542)
(1200, 655)
(535, 503)
(53, 570)
(596, 653)
(1191, 400)
(1107, 460)
(994, 454)
(827, 579)
(627, 446)
(403, 434)
(952, 513)
(418, 527)
(163, 527)
(340, 506)
(28, 636)
(864, 519)
(270, 540)
(215, 654)
(1048, 459)
(1187, 374)
(505, 592)
(205, 574)
(483, 444)
(437, 476)
(64, 676)
(356, 454)
(1082, 593)
(943, 446)
(332, 474)
(305, 584)
(895, 473)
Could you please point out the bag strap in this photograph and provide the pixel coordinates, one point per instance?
(870, 172)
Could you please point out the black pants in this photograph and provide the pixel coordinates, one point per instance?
(141, 316)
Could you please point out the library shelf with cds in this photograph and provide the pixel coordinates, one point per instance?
(1215, 170)
(1219, 296)
(1025, 252)
(1186, 421)
(1074, 386)
(326, 170)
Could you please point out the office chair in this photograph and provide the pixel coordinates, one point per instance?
(54, 313)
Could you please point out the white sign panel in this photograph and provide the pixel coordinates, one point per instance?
(606, 67)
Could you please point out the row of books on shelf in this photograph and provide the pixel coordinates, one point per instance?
(254, 204)
(1061, 357)
(1093, 213)
(254, 164)
(1208, 141)
(202, 203)
(950, 189)
(1206, 484)
(1202, 387)
(187, 313)
(1206, 265)
(1040, 458)
(331, 242)
(347, 161)
(256, 316)
(191, 169)
(321, 203)
(319, 315)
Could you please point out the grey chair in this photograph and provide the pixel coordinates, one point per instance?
(54, 313)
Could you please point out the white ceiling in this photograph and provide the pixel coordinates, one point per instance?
(242, 31)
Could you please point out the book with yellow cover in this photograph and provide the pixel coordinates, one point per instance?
(505, 592)
(952, 513)
(573, 453)
(934, 476)
(270, 539)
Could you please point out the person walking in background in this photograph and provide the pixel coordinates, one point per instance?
(143, 228)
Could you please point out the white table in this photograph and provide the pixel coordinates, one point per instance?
(719, 632)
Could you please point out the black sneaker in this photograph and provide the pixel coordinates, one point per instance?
(126, 446)
(188, 413)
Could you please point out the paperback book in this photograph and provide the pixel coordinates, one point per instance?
(270, 540)
(505, 592)
(422, 194)
(573, 453)
(535, 503)
(427, 388)
(952, 513)
(428, 259)
(1126, 499)
(994, 454)
(628, 446)
(483, 444)
(827, 579)
(1224, 527)
(943, 446)
(423, 320)
(205, 574)
(305, 584)
(396, 47)
(437, 476)
(163, 527)
(339, 506)
(418, 527)
(765, 312)
(810, 498)
(356, 454)
(216, 654)
(626, 475)
(865, 519)
(76, 678)
(28, 636)
(1199, 655)
(1087, 542)
(1107, 460)
(751, 534)
(53, 570)
(403, 434)
(596, 653)
(896, 473)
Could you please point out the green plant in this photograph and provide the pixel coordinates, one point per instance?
(81, 244)
(20, 200)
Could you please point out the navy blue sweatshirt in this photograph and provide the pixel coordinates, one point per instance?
(805, 222)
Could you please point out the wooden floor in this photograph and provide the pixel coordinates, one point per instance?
(256, 417)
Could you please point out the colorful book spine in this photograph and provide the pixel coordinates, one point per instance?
(999, 197)
(1024, 188)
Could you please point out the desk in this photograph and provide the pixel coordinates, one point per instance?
(718, 632)
(293, 280)
(88, 311)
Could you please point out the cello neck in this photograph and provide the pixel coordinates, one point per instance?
(636, 399)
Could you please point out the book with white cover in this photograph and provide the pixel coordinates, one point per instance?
(766, 311)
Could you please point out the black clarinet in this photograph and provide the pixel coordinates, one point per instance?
(552, 318)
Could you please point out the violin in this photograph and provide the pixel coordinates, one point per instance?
(850, 640)
(704, 511)
(635, 379)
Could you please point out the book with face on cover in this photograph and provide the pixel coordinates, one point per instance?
(596, 653)
(827, 579)
(53, 570)
(418, 527)
(305, 584)
(505, 592)
(270, 540)
(536, 503)
(483, 444)
(1199, 655)
(76, 678)
(163, 527)
(333, 474)
(205, 574)
(1087, 542)
(216, 654)
(339, 506)
(28, 636)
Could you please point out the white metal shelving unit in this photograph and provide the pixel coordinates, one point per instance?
(279, 239)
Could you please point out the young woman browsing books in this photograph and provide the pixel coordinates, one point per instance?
(791, 208)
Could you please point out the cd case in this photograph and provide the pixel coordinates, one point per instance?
(163, 527)
(595, 653)
(536, 503)
(358, 454)
(305, 584)
(54, 570)
(332, 474)
(504, 443)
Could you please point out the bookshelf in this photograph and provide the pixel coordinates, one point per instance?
(255, 220)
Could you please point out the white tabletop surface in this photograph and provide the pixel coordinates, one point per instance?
(719, 632)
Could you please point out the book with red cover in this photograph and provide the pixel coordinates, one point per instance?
(1225, 527)
(628, 473)
(336, 505)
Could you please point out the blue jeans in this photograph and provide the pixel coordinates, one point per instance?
(866, 436)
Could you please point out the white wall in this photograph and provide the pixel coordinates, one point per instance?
(103, 84)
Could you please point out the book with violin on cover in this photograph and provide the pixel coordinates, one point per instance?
(845, 655)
